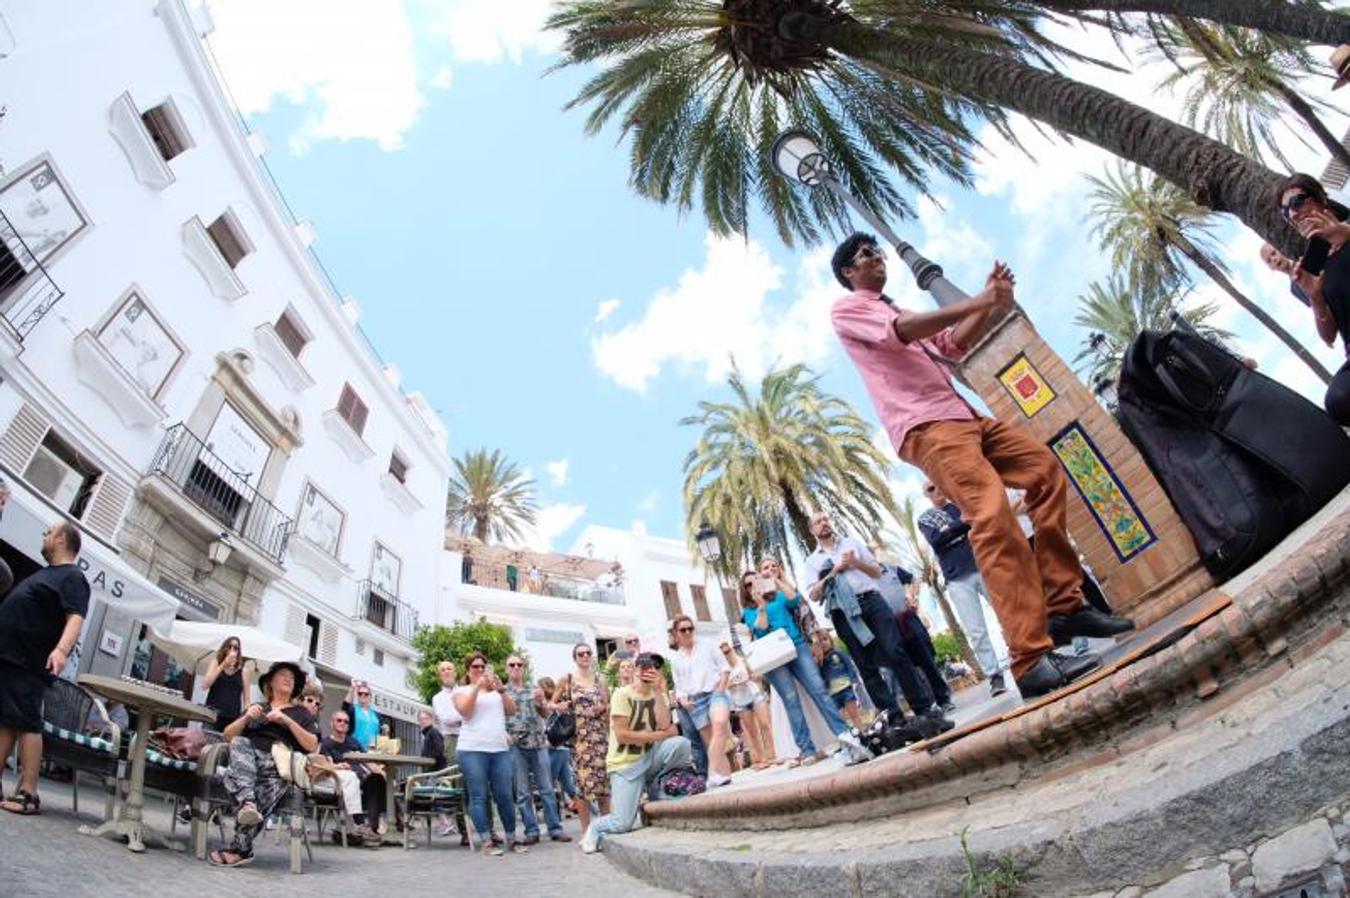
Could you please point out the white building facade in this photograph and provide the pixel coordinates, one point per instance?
(658, 580)
(179, 377)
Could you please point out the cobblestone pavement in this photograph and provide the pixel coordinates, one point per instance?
(44, 857)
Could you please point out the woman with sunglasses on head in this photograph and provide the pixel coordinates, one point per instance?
(484, 754)
(771, 602)
(583, 693)
(751, 707)
(701, 676)
(227, 683)
(1304, 204)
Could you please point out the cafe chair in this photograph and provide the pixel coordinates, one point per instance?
(428, 795)
(66, 740)
(212, 797)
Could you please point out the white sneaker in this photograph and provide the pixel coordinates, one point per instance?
(716, 779)
(590, 841)
(851, 749)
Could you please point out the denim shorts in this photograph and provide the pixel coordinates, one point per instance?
(843, 697)
(701, 705)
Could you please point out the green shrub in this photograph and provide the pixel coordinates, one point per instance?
(452, 643)
(945, 647)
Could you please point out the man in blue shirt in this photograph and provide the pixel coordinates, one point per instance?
(942, 526)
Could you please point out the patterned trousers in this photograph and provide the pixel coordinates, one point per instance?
(252, 776)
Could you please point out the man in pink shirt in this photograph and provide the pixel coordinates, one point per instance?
(1037, 594)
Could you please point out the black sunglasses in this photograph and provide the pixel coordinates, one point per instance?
(1293, 204)
(869, 252)
(684, 629)
(514, 664)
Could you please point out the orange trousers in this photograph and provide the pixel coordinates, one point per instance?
(971, 462)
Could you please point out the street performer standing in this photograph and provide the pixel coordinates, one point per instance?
(1036, 593)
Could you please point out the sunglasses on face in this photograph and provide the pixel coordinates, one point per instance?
(514, 664)
(869, 252)
(363, 695)
(684, 629)
(583, 654)
(339, 721)
(1293, 204)
(631, 641)
(477, 666)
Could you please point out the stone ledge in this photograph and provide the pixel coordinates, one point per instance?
(1272, 607)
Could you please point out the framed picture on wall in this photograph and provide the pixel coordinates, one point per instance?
(320, 520)
(385, 570)
(141, 344)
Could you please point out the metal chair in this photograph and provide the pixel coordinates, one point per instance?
(211, 794)
(429, 795)
(66, 710)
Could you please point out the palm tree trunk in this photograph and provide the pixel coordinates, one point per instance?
(1303, 109)
(1206, 264)
(1308, 23)
(480, 528)
(954, 625)
(797, 519)
(1212, 174)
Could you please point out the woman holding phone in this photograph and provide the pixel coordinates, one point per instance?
(484, 755)
(769, 603)
(1323, 274)
(227, 683)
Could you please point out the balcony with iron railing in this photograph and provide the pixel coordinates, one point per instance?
(375, 606)
(546, 583)
(226, 497)
(27, 292)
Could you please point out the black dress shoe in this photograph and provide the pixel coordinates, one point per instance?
(1086, 622)
(1052, 670)
(996, 684)
(933, 722)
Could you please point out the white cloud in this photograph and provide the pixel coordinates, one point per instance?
(349, 61)
(649, 503)
(721, 310)
(557, 471)
(605, 309)
(496, 30)
(551, 522)
(444, 78)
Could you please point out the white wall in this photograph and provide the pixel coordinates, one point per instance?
(70, 62)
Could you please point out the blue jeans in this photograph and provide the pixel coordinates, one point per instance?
(560, 768)
(784, 681)
(627, 785)
(690, 732)
(486, 771)
(535, 761)
(885, 650)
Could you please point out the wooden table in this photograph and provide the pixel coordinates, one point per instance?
(147, 701)
(391, 764)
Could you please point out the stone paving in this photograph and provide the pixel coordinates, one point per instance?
(44, 857)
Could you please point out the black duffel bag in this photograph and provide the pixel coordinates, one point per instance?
(1244, 459)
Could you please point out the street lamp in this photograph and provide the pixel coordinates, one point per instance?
(1104, 387)
(797, 155)
(710, 547)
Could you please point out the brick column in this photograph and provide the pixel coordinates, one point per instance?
(1150, 566)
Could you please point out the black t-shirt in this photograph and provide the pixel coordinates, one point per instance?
(263, 733)
(34, 613)
(337, 752)
(1336, 291)
(433, 746)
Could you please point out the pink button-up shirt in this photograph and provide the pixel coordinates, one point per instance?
(908, 387)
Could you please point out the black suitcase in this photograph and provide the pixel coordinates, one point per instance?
(1244, 459)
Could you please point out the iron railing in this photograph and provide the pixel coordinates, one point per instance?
(559, 586)
(384, 611)
(227, 496)
(27, 292)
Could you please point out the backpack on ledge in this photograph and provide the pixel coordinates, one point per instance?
(1244, 459)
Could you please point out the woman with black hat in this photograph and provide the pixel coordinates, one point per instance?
(252, 778)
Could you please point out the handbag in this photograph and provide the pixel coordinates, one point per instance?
(179, 743)
(770, 652)
(282, 756)
(561, 727)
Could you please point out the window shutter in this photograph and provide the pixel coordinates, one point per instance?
(670, 593)
(733, 604)
(107, 504)
(359, 412)
(290, 335)
(328, 638)
(700, 602)
(295, 625)
(20, 440)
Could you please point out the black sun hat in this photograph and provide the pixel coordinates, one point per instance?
(266, 679)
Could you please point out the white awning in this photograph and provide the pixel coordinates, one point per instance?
(189, 642)
(111, 580)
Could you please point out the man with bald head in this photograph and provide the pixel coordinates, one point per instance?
(40, 623)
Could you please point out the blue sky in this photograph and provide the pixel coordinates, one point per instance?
(501, 262)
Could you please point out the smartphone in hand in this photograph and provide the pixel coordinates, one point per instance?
(1315, 256)
(766, 586)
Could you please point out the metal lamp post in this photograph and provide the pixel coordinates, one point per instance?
(797, 155)
(710, 547)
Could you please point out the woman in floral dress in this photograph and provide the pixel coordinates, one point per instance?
(584, 694)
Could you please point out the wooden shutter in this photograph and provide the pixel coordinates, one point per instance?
(670, 593)
(399, 468)
(163, 131)
(291, 336)
(227, 241)
(328, 638)
(107, 504)
(352, 409)
(21, 439)
(295, 625)
(700, 602)
(732, 601)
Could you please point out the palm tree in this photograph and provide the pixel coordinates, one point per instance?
(1239, 83)
(1119, 310)
(764, 461)
(1307, 20)
(1150, 227)
(703, 87)
(920, 562)
(489, 497)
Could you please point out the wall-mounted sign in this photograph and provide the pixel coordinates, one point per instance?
(1026, 386)
(238, 446)
(189, 598)
(110, 644)
(1102, 491)
(567, 637)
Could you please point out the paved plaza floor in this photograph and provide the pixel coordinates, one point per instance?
(45, 857)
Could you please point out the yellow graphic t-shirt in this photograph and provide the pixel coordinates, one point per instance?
(641, 714)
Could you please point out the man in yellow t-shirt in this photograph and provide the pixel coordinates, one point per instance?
(643, 744)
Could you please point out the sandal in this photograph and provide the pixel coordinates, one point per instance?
(23, 803)
(221, 858)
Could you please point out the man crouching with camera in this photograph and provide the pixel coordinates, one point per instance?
(644, 745)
